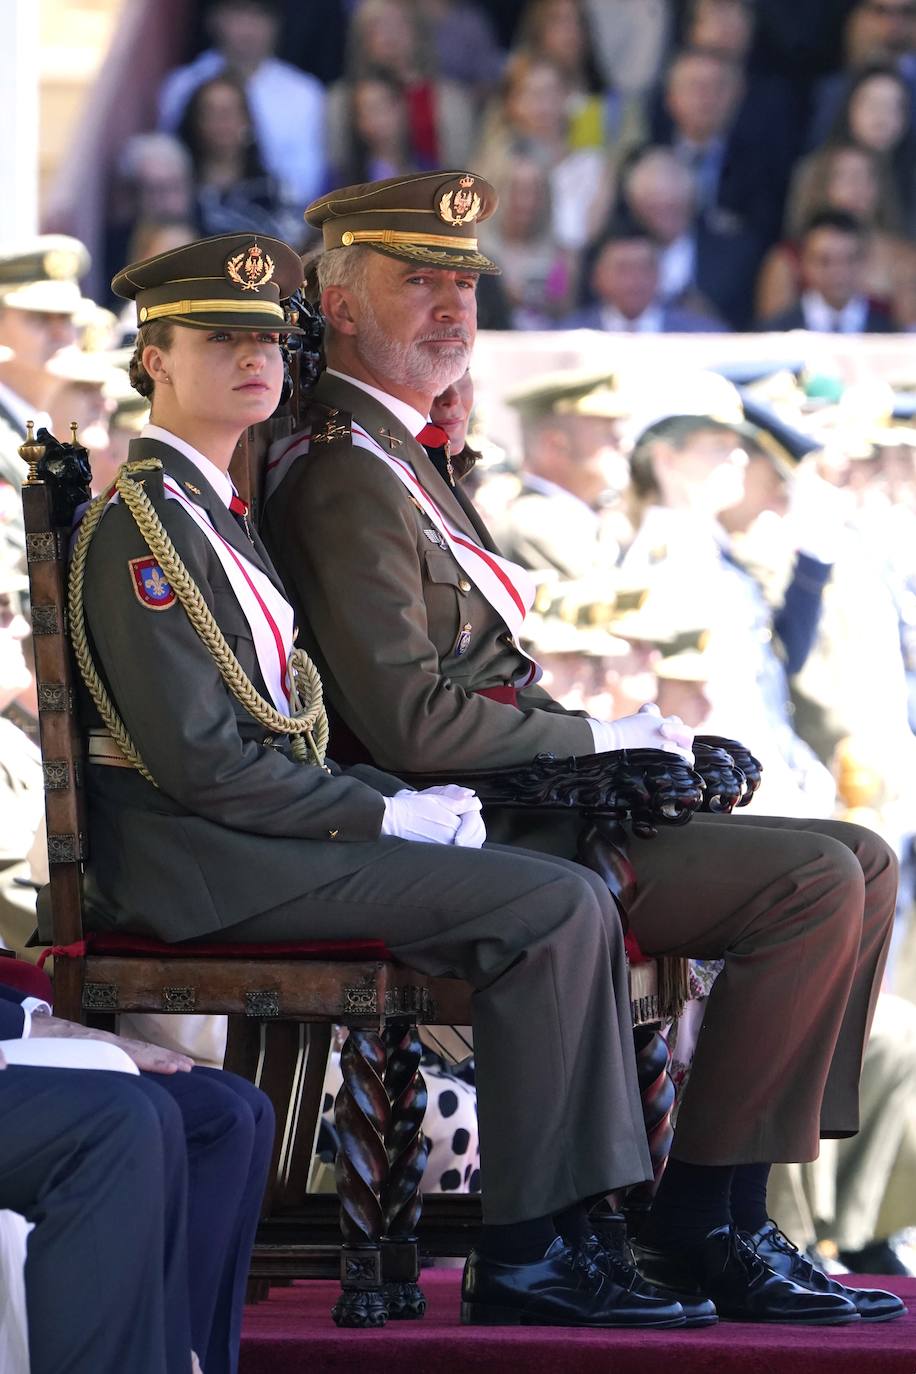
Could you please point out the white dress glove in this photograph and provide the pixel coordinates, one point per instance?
(437, 815)
(648, 729)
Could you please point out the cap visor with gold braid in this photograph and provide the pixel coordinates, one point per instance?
(430, 218)
(231, 281)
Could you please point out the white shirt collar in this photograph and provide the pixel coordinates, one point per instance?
(411, 419)
(220, 481)
(820, 316)
(21, 411)
(649, 322)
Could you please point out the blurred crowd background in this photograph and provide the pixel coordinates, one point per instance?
(695, 396)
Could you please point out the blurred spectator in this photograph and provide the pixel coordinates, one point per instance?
(722, 26)
(558, 30)
(154, 180)
(799, 38)
(877, 113)
(376, 123)
(572, 460)
(388, 36)
(832, 259)
(702, 268)
(537, 274)
(21, 787)
(465, 43)
(286, 104)
(232, 190)
(882, 31)
(630, 41)
(625, 286)
(740, 166)
(843, 176)
(314, 36)
(688, 468)
(151, 236)
(531, 115)
(774, 106)
(81, 397)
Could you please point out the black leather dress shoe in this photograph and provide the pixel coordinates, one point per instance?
(565, 1288)
(726, 1268)
(872, 1304)
(698, 1311)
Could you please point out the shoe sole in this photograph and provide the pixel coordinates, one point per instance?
(792, 1321)
(694, 1323)
(475, 1314)
(884, 1316)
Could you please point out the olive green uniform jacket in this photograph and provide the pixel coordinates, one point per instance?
(382, 608)
(220, 839)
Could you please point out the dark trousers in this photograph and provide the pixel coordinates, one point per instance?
(229, 1128)
(97, 1162)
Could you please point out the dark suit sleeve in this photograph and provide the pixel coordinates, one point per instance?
(178, 710)
(342, 532)
(12, 1017)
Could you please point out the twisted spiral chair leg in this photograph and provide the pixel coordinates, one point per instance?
(407, 1150)
(362, 1115)
(657, 1092)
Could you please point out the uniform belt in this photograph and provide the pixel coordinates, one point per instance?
(103, 749)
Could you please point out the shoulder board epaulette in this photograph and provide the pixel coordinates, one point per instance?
(328, 424)
(142, 465)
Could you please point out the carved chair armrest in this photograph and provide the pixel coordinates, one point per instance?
(647, 787)
(730, 772)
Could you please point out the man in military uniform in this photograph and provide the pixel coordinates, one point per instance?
(39, 296)
(415, 620)
(572, 464)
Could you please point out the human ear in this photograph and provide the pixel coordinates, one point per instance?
(153, 360)
(336, 308)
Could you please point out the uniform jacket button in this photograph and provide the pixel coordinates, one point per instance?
(464, 585)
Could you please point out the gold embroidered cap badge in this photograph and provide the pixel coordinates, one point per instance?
(251, 269)
(459, 203)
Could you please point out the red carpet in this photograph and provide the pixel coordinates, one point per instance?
(292, 1333)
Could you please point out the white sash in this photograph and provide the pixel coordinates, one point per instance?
(509, 588)
(269, 615)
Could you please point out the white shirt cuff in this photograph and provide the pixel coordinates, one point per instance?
(32, 1006)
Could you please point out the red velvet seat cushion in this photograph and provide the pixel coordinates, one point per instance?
(25, 977)
(113, 943)
(110, 942)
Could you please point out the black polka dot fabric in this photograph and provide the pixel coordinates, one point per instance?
(450, 1128)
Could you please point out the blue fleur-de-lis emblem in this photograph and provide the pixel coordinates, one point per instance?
(150, 584)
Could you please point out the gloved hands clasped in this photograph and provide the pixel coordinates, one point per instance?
(437, 815)
(648, 729)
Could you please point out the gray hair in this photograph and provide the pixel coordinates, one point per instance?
(344, 267)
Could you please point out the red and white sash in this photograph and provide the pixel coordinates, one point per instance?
(269, 615)
(508, 587)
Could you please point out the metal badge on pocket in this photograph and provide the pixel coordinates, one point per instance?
(462, 643)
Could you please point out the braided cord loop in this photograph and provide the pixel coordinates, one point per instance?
(307, 725)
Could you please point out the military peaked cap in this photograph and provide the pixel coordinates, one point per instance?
(231, 281)
(43, 274)
(429, 218)
(571, 392)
